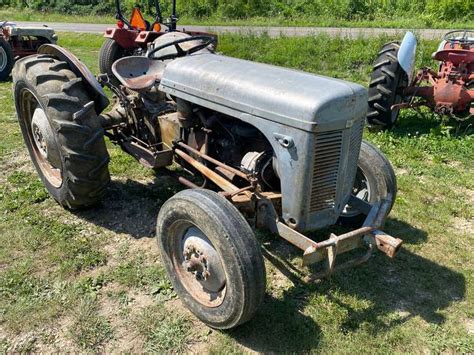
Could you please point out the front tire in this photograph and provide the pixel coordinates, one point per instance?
(61, 130)
(212, 258)
(375, 180)
(6, 59)
(386, 86)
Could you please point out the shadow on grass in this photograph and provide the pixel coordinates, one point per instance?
(131, 207)
(413, 123)
(395, 290)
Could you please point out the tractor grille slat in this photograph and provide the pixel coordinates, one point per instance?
(354, 148)
(327, 158)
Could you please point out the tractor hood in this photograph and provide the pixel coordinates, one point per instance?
(290, 97)
(22, 31)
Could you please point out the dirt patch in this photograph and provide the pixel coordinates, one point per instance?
(125, 339)
(18, 161)
(465, 226)
(175, 305)
(469, 324)
(454, 164)
(401, 171)
(42, 340)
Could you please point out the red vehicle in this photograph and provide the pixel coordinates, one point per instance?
(448, 91)
(18, 42)
(132, 37)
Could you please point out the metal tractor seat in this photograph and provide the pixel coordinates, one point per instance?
(138, 73)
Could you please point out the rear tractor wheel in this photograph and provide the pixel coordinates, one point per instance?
(387, 82)
(109, 53)
(61, 131)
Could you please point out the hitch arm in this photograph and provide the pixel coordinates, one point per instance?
(368, 236)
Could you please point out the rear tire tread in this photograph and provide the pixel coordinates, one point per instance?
(78, 132)
(387, 77)
(109, 53)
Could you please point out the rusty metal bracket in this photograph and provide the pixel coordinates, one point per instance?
(213, 161)
(208, 173)
(368, 236)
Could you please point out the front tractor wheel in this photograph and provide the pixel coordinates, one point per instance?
(6, 59)
(212, 258)
(375, 180)
(61, 131)
(387, 82)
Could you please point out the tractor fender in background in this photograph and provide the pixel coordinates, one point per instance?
(407, 53)
(125, 38)
(94, 89)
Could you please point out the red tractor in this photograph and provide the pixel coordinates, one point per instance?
(18, 42)
(450, 91)
(132, 37)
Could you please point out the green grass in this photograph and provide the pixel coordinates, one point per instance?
(163, 331)
(93, 281)
(381, 21)
(89, 330)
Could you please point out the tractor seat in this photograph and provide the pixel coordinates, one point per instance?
(138, 73)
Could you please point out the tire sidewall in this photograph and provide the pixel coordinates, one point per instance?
(10, 59)
(60, 192)
(110, 52)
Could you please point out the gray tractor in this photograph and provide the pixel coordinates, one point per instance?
(266, 147)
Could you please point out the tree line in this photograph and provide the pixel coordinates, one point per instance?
(455, 10)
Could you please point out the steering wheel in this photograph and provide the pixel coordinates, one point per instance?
(464, 39)
(180, 52)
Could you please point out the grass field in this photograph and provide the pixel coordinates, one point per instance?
(92, 280)
(322, 21)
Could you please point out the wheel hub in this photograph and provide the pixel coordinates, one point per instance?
(39, 140)
(43, 138)
(202, 261)
(196, 263)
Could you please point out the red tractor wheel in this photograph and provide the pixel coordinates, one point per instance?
(6, 59)
(386, 88)
(110, 52)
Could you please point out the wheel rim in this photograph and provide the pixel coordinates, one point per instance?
(3, 59)
(401, 84)
(40, 137)
(198, 266)
(361, 190)
(395, 112)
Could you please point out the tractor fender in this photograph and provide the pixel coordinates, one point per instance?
(94, 89)
(407, 53)
(124, 37)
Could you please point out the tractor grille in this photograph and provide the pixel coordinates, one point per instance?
(354, 150)
(327, 159)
